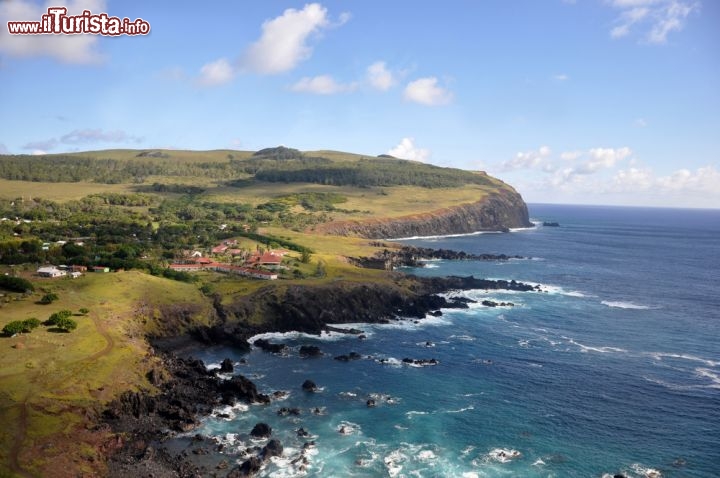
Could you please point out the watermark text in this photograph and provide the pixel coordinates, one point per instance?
(57, 22)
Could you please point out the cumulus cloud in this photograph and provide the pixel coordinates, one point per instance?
(526, 160)
(426, 91)
(73, 49)
(407, 150)
(216, 73)
(82, 136)
(322, 85)
(284, 40)
(380, 77)
(658, 18)
(704, 181)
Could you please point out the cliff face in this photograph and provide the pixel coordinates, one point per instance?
(499, 211)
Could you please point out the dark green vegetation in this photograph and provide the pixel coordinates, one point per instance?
(15, 284)
(271, 164)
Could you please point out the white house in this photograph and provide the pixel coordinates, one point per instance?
(51, 271)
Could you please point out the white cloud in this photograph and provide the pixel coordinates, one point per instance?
(570, 155)
(703, 181)
(284, 40)
(74, 49)
(38, 152)
(322, 85)
(407, 150)
(658, 17)
(427, 92)
(561, 77)
(602, 158)
(3, 149)
(640, 123)
(380, 77)
(216, 73)
(526, 160)
(42, 144)
(82, 136)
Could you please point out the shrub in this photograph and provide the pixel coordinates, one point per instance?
(29, 324)
(49, 298)
(56, 317)
(84, 311)
(15, 284)
(12, 328)
(66, 324)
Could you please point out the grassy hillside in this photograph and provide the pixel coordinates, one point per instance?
(137, 211)
(51, 382)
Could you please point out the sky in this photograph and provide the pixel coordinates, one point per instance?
(570, 101)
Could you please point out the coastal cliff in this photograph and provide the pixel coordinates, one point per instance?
(498, 211)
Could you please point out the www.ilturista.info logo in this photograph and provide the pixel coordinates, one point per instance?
(58, 22)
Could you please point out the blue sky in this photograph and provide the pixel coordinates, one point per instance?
(584, 101)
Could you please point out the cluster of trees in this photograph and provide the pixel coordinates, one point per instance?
(20, 326)
(59, 320)
(382, 172)
(74, 168)
(16, 284)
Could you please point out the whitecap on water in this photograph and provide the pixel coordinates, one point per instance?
(501, 455)
(712, 375)
(618, 304)
(646, 472)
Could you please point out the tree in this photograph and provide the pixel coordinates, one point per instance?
(56, 317)
(84, 311)
(49, 298)
(66, 324)
(29, 324)
(305, 256)
(12, 328)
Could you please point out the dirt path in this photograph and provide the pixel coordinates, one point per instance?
(14, 454)
(19, 439)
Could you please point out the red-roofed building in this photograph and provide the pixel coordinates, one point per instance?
(219, 249)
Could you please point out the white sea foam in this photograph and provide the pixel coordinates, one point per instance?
(293, 335)
(588, 348)
(348, 428)
(539, 462)
(617, 304)
(712, 375)
(646, 472)
(499, 455)
(660, 356)
(461, 410)
(469, 234)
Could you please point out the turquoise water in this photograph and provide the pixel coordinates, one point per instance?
(613, 368)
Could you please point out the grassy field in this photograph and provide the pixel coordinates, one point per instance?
(50, 382)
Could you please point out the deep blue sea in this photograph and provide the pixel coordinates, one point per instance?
(613, 368)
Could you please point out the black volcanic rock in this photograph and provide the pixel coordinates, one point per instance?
(270, 347)
(310, 351)
(309, 386)
(226, 366)
(239, 387)
(273, 448)
(261, 430)
(248, 468)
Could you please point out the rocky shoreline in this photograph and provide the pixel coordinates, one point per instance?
(188, 391)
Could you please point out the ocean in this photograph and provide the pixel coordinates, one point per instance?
(613, 368)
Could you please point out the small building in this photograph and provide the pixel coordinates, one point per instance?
(75, 275)
(219, 249)
(78, 268)
(101, 269)
(50, 271)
